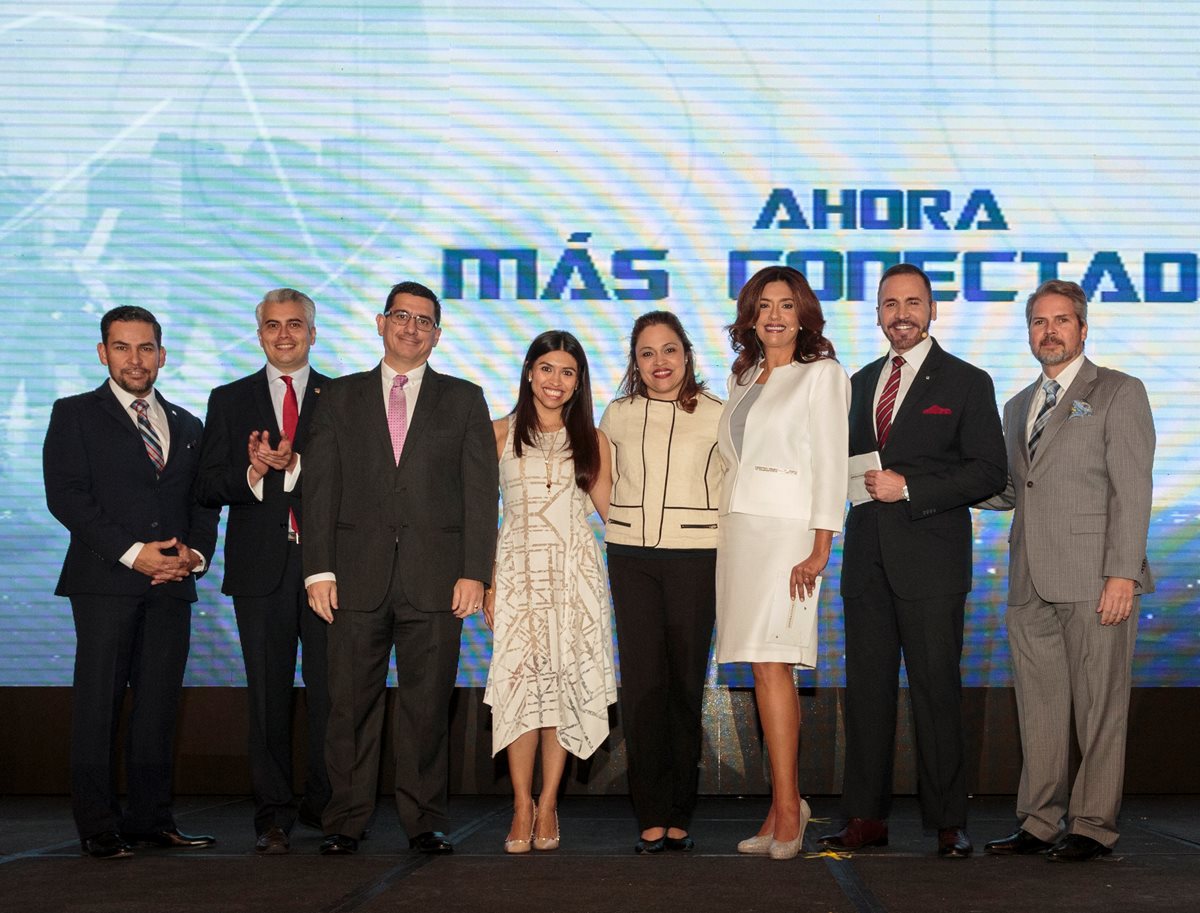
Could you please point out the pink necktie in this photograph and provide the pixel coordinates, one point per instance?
(887, 399)
(398, 415)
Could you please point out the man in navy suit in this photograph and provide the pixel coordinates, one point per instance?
(906, 563)
(250, 460)
(119, 463)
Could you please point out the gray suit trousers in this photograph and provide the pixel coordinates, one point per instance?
(1065, 660)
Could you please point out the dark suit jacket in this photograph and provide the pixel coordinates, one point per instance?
(439, 504)
(947, 442)
(102, 487)
(256, 533)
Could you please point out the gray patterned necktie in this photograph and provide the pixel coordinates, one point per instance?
(1052, 388)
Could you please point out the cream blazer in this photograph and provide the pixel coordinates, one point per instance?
(795, 453)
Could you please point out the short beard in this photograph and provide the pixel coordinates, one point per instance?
(1056, 358)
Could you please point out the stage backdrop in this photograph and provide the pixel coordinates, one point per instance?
(571, 165)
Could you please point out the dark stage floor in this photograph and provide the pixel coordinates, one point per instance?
(1156, 866)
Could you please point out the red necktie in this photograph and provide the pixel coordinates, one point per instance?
(887, 400)
(291, 418)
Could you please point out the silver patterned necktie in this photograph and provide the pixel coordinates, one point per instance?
(1051, 388)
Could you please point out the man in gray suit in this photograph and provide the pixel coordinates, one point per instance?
(1080, 454)
(400, 526)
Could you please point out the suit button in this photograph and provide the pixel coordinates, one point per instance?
(1029, 485)
(154, 525)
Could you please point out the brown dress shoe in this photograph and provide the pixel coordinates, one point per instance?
(857, 833)
(953, 843)
(272, 842)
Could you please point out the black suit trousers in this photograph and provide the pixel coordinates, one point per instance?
(360, 647)
(665, 608)
(879, 626)
(269, 628)
(139, 641)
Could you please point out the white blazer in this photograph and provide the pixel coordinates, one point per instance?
(796, 447)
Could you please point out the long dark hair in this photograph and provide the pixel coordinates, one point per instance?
(632, 383)
(811, 345)
(579, 417)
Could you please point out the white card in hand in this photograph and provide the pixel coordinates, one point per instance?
(859, 465)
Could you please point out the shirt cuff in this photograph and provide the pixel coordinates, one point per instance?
(256, 488)
(131, 554)
(290, 477)
(319, 578)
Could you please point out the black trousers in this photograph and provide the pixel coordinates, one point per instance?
(665, 608)
(270, 628)
(929, 632)
(360, 646)
(142, 642)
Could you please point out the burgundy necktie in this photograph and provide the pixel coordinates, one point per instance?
(887, 400)
(291, 418)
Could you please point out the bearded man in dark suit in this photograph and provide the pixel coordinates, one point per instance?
(119, 463)
(401, 510)
(254, 433)
(906, 563)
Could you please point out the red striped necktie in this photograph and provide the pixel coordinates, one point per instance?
(887, 402)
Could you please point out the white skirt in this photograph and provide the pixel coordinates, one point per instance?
(755, 557)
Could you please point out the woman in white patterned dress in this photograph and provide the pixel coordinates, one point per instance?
(551, 679)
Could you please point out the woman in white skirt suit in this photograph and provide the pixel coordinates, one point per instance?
(784, 439)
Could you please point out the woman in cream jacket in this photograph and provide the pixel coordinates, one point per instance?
(662, 539)
(784, 439)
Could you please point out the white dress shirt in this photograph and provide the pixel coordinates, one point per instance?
(913, 359)
(411, 390)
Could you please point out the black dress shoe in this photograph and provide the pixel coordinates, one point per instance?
(857, 833)
(684, 844)
(272, 842)
(170, 840)
(953, 843)
(108, 845)
(339, 845)
(431, 842)
(645, 847)
(1022, 843)
(1077, 848)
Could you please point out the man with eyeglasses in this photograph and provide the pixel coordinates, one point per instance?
(401, 510)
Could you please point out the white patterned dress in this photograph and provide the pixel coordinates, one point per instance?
(552, 657)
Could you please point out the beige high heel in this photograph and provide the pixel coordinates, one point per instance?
(789, 849)
(756, 846)
(548, 843)
(518, 845)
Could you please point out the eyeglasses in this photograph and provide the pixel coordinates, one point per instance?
(401, 318)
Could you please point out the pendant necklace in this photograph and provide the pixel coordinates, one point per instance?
(547, 453)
